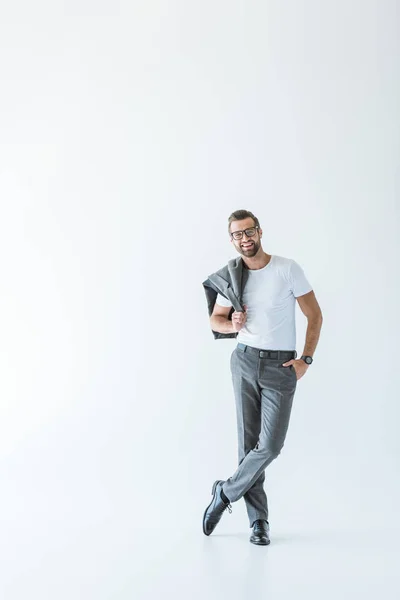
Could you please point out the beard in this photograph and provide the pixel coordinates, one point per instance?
(252, 251)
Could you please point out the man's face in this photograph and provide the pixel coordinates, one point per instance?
(247, 245)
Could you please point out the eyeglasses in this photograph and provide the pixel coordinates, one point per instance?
(250, 231)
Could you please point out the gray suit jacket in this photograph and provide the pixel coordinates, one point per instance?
(229, 281)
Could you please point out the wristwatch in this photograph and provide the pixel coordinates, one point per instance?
(307, 359)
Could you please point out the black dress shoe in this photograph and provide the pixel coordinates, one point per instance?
(260, 535)
(215, 509)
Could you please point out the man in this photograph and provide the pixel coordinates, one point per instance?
(263, 364)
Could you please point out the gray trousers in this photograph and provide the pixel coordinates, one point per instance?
(264, 392)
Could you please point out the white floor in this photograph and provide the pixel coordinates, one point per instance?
(297, 564)
(109, 559)
(81, 518)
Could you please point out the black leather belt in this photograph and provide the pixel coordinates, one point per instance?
(277, 354)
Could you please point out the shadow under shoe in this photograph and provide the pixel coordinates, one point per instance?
(260, 534)
(215, 509)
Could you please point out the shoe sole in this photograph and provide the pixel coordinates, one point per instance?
(261, 543)
(212, 494)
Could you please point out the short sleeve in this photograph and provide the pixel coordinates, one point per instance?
(223, 301)
(299, 283)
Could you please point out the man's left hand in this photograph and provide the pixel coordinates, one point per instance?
(299, 366)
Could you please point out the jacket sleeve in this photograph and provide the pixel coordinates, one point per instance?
(211, 296)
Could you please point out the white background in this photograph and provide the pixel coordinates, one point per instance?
(129, 131)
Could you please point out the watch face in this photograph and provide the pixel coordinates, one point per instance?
(308, 360)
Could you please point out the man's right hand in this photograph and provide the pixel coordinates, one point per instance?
(239, 319)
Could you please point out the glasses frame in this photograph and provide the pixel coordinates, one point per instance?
(241, 231)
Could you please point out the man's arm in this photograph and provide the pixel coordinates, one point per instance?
(311, 309)
(220, 322)
(219, 319)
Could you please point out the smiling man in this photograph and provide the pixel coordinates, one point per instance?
(264, 365)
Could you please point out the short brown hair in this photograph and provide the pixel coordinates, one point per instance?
(238, 215)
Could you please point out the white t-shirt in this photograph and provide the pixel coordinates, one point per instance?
(270, 294)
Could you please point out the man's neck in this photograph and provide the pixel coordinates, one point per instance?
(257, 262)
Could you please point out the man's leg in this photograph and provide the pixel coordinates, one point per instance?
(256, 501)
(277, 385)
(248, 414)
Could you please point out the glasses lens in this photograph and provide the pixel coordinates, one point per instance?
(250, 231)
(237, 235)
